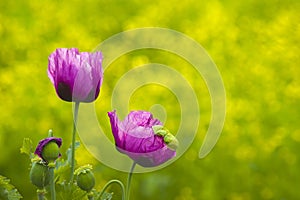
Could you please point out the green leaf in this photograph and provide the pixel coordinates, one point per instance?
(8, 191)
(63, 167)
(64, 192)
(27, 147)
(14, 195)
(105, 195)
(69, 154)
(62, 171)
(78, 194)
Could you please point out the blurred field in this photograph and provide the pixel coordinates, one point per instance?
(255, 45)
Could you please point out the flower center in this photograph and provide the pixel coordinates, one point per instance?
(64, 91)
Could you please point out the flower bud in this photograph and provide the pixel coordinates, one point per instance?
(50, 152)
(85, 178)
(48, 149)
(39, 175)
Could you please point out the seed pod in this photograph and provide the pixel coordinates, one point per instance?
(85, 178)
(86, 181)
(50, 152)
(39, 175)
(171, 141)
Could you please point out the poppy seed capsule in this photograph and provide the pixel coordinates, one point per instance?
(39, 175)
(48, 149)
(86, 180)
(171, 141)
(50, 152)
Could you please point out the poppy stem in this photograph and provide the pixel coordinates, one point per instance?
(51, 172)
(41, 194)
(52, 183)
(111, 182)
(90, 197)
(129, 181)
(76, 108)
(50, 133)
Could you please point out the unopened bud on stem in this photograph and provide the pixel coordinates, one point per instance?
(39, 175)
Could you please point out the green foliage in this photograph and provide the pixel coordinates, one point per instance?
(69, 153)
(105, 196)
(63, 166)
(27, 147)
(62, 171)
(64, 192)
(39, 176)
(8, 191)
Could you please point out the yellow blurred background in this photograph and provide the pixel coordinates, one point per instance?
(255, 45)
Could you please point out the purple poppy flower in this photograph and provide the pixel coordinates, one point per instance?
(135, 137)
(47, 151)
(76, 76)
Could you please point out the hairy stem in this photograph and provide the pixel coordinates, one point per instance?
(129, 181)
(52, 183)
(41, 194)
(73, 141)
(90, 197)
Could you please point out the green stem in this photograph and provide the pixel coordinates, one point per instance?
(41, 194)
(50, 133)
(73, 142)
(52, 183)
(111, 182)
(90, 197)
(129, 181)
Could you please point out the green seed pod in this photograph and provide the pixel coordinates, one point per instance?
(85, 178)
(39, 175)
(50, 152)
(171, 141)
(86, 181)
